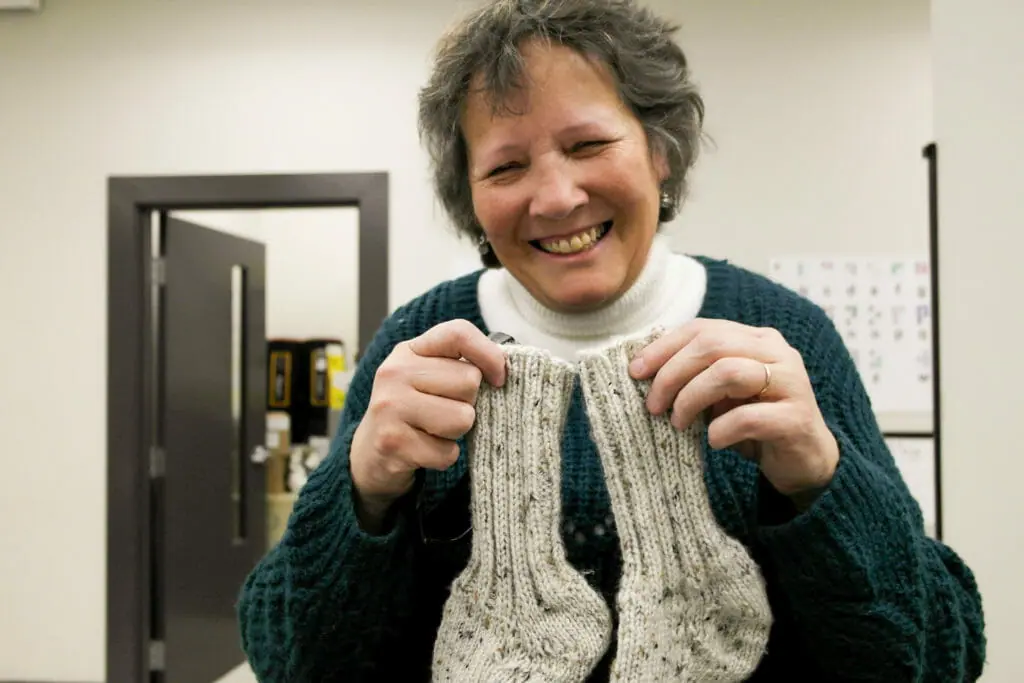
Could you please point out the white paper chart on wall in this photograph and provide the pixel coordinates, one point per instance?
(915, 457)
(881, 307)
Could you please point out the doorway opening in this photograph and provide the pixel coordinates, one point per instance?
(209, 278)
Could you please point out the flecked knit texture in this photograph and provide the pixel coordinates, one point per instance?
(692, 603)
(520, 612)
(858, 591)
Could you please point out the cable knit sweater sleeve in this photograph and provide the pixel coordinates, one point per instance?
(331, 601)
(868, 595)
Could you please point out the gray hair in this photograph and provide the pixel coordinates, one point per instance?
(649, 68)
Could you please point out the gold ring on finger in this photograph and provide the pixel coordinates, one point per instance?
(767, 382)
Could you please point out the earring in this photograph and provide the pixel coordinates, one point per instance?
(665, 208)
(482, 245)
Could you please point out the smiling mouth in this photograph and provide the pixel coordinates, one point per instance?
(574, 244)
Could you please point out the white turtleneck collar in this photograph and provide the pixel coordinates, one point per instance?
(669, 292)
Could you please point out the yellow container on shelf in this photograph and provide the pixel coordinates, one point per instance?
(339, 375)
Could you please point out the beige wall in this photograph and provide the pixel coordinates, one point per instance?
(979, 100)
(312, 267)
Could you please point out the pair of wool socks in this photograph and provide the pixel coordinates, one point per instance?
(691, 602)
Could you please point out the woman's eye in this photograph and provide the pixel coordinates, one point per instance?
(588, 144)
(502, 169)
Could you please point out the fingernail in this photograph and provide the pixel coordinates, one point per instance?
(637, 366)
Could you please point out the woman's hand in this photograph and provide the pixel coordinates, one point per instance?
(760, 398)
(422, 402)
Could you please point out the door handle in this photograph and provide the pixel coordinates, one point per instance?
(239, 388)
(259, 455)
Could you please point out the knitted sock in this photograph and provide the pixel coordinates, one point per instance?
(692, 603)
(519, 611)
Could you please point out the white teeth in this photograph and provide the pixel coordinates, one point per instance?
(581, 241)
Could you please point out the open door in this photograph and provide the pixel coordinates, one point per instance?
(208, 507)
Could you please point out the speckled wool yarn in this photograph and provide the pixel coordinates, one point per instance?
(519, 612)
(692, 602)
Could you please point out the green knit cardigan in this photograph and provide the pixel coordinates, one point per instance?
(857, 589)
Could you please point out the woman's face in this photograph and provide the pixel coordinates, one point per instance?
(566, 188)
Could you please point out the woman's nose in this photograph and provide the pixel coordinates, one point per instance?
(556, 193)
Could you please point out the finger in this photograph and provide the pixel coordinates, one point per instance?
(454, 379)
(658, 352)
(410, 449)
(462, 339)
(653, 356)
(651, 359)
(437, 415)
(730, 378)
(702, 352)
(757, 421)
(432, 452)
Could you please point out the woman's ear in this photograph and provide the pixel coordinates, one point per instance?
(660, 161)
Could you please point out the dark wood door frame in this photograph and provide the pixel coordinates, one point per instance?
(130, 405)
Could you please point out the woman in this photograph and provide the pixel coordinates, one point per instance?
(561, 135)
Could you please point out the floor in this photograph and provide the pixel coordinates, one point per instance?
(242, 674)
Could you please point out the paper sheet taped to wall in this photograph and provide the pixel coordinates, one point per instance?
(915, 456)
(881, 307)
